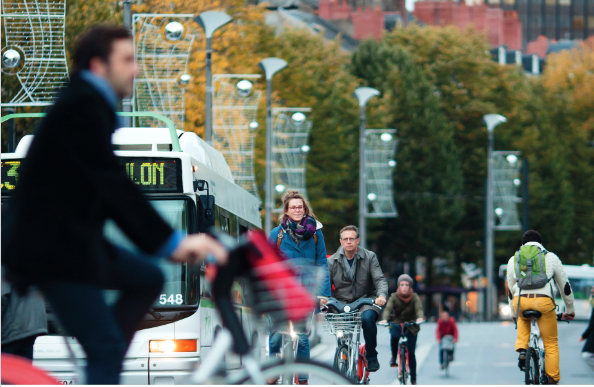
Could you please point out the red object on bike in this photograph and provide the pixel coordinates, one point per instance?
(278, 278)
(17, 370)
(362, 363)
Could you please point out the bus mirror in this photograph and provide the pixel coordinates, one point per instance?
(206, 218)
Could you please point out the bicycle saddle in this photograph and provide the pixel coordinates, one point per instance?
(336, 306)
(531, 314)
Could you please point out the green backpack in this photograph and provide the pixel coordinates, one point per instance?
(531, 270)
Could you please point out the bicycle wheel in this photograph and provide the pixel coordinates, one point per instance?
(446, 360)
(276, 367)
(531, 370)
(403, 371)
(341, 359)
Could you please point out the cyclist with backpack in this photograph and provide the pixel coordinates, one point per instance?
(529, 275)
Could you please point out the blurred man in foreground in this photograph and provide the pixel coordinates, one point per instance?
(69, 184)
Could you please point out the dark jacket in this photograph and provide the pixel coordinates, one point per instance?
(369, 279)
(23, 315)
(397, 311)
(588, 335)
(69, 184)
(306, 257)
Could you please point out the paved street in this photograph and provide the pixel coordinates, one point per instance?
(484, 355)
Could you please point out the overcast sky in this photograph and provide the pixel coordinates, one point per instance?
(410, 4)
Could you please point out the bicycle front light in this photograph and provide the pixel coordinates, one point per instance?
(339, 334)
(166, 346)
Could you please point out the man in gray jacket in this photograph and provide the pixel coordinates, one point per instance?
(23, 319)
(355, 273)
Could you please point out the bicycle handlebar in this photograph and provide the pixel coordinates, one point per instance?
(341, 307)
(407, 324)
(560, 318)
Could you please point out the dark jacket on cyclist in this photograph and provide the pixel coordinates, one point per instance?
(398, 311)
(69, 184)
(368, 280)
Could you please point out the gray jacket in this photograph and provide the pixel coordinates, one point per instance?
(369, 279)
(23, 315)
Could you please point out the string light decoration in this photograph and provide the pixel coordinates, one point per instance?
(290, 134)
(34, 51)
(380, 162)
(506, 184)
(235, 111)
(162, 44)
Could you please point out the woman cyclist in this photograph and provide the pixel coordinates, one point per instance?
(404, 306)
(299, 238)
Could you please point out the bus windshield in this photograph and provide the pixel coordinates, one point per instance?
(181, 281)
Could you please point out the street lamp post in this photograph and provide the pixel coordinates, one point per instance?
(210, 21)
(363, 94)
(127, 102)
(491, 120)
(270, 66)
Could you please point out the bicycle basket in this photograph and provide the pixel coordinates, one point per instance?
(275, 289)
(447, 342)
(342, 324)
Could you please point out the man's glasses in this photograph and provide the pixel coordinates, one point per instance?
(349, 239)
(295, 208)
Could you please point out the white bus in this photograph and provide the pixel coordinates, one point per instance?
(190, 188)
(581, 278)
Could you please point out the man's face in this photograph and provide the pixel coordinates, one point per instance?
(121, 68)
(349, 240)
(445, 316)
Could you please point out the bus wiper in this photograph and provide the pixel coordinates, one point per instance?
(156, 315)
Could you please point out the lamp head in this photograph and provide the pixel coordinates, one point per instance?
(492, 120)
(271, 66)
(210, 21)
(364, 94)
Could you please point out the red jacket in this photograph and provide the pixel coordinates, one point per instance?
(446, 328)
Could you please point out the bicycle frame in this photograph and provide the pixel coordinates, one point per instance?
(215, 359)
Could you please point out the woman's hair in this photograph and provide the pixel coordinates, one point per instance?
(294, 195)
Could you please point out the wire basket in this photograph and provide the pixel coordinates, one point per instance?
(346, 323)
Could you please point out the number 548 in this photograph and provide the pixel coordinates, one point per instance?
(172, 299)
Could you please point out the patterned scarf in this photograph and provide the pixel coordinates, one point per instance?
(303, 230)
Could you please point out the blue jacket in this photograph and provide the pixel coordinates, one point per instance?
(305, 257)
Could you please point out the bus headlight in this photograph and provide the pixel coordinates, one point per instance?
(166, 346)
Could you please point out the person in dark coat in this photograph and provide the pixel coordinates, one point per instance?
(23, 320)
(588, 337)
(355, 273)
(69, 184)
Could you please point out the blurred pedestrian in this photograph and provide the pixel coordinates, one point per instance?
(299, 237)
(69, 184)
(23, 320)
(588, 336)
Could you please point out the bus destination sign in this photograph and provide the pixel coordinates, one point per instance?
(150, 174)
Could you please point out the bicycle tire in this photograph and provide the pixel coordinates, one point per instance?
(276, 367)
(403, 365)
(340, 363)
(446, 360)
(531, 370)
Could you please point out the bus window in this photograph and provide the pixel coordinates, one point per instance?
(233, 225)
(224, 222)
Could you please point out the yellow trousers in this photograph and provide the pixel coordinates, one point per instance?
(547, 324)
